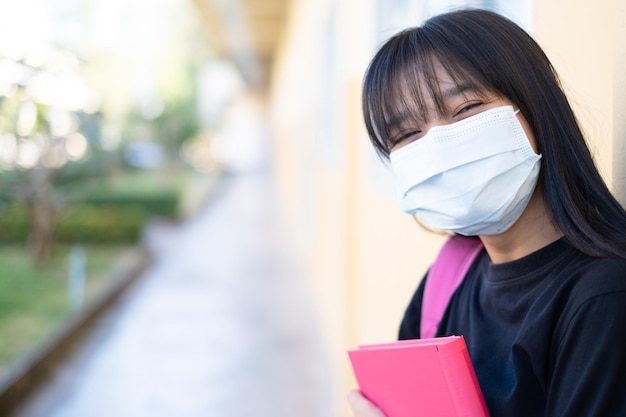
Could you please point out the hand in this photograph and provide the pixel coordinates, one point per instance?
(361, 406)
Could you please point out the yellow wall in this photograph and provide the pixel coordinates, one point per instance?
(363, 257)
(578, 36)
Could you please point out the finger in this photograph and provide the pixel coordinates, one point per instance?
(361, 406)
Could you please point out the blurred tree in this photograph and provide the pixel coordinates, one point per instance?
(40, 109)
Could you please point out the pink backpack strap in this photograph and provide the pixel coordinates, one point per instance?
(452, 263)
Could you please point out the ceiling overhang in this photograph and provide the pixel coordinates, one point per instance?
(246, 32)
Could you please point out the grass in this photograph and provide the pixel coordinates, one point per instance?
(34, 301)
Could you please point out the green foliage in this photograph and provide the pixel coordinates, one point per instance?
(99, 210)
(165, 204)
(152, 191)
(14, 224)
(178, 123)
(104, 223)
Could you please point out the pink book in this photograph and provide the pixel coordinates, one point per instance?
(423, 377)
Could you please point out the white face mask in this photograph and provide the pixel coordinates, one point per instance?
(473, 177)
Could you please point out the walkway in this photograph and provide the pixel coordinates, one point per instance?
(221, 326)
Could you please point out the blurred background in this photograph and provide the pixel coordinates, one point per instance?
(149, 142)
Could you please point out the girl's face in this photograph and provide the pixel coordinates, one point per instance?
(458, 102)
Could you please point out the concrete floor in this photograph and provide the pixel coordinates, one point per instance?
(222, 325)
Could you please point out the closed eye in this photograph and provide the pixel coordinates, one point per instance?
(403, 139)
(467, 109)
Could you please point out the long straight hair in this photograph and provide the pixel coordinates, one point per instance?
(494, 55)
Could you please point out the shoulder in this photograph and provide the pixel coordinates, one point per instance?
(592, 289)
(595, 276)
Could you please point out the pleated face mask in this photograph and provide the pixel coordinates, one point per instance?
(472, 177)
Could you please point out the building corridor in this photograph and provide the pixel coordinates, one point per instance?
(221, 326)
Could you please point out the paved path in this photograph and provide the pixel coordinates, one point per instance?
(221, 326)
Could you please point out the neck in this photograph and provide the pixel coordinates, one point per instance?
(531, 232)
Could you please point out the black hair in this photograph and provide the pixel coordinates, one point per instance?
(494, 55)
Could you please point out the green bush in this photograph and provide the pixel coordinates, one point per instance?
(113, 209)
(103, 223)
(14, 223)
(165, 204)
(89, 222)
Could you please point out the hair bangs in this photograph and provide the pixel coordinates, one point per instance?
(402, 88)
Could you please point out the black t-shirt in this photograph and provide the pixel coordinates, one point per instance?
(546, 333)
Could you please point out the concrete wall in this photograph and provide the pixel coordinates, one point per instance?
(363, 256)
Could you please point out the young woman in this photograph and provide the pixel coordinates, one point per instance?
(482, 142)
